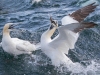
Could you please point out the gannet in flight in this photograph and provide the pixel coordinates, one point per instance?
(56, 48)
(15, 46)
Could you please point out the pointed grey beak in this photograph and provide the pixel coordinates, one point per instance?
(14, 25)
(53, 22)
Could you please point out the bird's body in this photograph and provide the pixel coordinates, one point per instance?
(15, 46)
(54, 52)
(57, 48)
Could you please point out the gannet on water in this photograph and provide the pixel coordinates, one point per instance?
(15, 46)
(56, 48)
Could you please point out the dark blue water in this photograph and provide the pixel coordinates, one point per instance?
(35, 18)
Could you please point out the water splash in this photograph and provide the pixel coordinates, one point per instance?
(36, 1)
(79, 69)
(40, 61)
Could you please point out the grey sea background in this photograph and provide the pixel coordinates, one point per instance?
(35, 18)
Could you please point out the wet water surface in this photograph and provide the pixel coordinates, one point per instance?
(35, 18)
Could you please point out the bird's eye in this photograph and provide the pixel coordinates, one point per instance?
(11, 26)
(54, 22)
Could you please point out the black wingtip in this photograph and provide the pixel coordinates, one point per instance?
(85, 26)
(93, 3)
(89, 25)
(82, 13)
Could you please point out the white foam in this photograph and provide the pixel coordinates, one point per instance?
(36, 1)
(75, 68)
(78, 69)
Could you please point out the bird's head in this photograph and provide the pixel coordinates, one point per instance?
(9, 26)
(54, 23)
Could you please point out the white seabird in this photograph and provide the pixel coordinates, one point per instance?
(15, 46)
(57, 48)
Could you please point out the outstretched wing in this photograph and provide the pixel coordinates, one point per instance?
(82, 13)
(68, 35)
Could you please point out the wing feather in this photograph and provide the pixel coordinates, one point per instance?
(23, 45)
(68, 36)
(82, 13)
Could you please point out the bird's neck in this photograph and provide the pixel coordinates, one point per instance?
(6, 33)
(50, 32)
(46, 37)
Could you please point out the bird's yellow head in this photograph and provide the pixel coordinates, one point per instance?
(8, 27)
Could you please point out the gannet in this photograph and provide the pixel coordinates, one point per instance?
(57, 48)
(15, 46)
